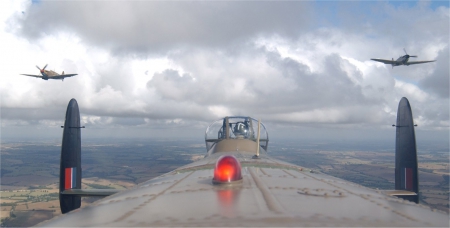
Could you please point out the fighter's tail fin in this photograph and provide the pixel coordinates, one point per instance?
(70, 166)
(406, 169)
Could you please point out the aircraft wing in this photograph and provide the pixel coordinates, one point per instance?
(238, 184)
(273, 193)
(419, 62)
(62, 76)
(32, 75)
(385, 61)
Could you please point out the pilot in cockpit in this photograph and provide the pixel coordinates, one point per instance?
(240, 130)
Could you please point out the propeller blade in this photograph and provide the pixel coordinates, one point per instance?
(405, 51)
(45, 66)
(414, 56)
(38, 67)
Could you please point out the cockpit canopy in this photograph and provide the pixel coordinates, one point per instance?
(236, 127)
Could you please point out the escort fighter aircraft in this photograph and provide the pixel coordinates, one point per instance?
(402, 60)
(238, 184)
(49, 74)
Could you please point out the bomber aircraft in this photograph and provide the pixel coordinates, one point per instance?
(49, 74)
(238, 184)
(402, 60)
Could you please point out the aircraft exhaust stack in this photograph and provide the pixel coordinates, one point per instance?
(70, 167)
(406, 169)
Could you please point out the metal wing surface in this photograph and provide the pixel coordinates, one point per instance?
(419, 62)
(385, 61)
(266, 191)
(62, 76)
(32, 75)
(273, 193)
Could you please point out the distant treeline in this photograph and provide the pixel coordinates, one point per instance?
(4, 172)
(99, 186)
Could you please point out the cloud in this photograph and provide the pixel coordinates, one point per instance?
(262, 82)
(438, 81)
(172, 86)
(147, 26)
(180, 65)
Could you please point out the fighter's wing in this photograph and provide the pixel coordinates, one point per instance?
(385, 61)
(32, 75)
(62, 76)
(419, 62)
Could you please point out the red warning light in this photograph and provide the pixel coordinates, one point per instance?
(228, 169)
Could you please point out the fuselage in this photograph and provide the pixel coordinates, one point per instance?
(47, 74)
(402, 60)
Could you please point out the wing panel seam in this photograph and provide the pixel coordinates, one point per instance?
(271, 202)
(128, 214)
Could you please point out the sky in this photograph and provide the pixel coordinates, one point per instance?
(151, 69)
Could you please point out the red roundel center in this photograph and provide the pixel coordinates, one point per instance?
(227, 169)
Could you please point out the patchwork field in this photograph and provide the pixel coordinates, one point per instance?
(29, 174)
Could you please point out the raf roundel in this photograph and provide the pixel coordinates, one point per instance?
(227, 170)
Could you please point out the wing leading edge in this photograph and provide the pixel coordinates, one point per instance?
(385, 61)
(62, 76)
(32, 75)
(419, 62)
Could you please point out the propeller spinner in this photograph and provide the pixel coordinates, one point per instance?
(409, 56)
(42, 70)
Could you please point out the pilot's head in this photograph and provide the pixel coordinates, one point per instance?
(240, 129)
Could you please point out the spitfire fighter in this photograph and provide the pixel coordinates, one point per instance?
(49, 74)
(402, 60)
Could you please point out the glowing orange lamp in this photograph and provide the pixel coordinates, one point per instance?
(227, 170)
